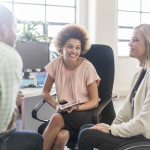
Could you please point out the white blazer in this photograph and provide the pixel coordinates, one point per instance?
(131, 122)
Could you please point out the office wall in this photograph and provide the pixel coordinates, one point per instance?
(105, 32)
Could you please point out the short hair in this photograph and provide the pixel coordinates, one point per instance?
(72, 31)
(6, 16)
(145, 30)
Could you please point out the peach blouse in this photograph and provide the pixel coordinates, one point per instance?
(72, 84)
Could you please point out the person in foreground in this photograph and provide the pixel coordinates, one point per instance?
(10, 73)
(132, 122)
(75, 79)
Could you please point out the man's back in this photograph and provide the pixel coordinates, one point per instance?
(10, 73)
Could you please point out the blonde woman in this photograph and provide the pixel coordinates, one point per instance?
(75, 79)
(132, 122)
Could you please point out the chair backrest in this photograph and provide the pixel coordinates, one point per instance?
(101, 56)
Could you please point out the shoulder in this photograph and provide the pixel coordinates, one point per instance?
(54, 63)
(57, 60)
(86, 62)
(137, 73)
(88, 65)
(9, 56)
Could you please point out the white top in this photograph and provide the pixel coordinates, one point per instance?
(131, 122)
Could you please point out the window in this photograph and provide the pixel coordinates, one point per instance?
(130, 14)
(56, 12)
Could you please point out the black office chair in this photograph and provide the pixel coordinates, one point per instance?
(4, 137)
(101, 56)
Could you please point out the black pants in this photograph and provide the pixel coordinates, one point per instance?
(89, 139)
(23, 140)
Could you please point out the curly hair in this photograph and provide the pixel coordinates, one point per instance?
(72, 31)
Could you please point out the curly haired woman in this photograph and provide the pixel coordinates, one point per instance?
(75, 78)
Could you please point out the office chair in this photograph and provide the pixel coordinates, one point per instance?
(101, 56)
(4, 137)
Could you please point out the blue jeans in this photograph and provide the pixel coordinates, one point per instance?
(89, 139)
(24, 140)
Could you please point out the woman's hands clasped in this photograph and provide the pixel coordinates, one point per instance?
(68, 110)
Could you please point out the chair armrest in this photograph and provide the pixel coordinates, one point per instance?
(37, 107)
(5, 136)
(99, 109)
(143, 144)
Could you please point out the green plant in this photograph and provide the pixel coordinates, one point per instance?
(29, 33)
(53, 55)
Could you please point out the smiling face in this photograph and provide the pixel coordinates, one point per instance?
(72, 49)
(137, 46)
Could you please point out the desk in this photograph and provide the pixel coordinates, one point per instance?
(31, 97)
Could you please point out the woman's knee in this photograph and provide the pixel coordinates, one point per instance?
(62, 137)
(57, 120)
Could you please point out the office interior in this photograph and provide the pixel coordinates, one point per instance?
(108, 22)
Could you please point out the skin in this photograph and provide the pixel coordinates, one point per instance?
(8, 33)
(55, 136)
(137, 46)
(137, 50)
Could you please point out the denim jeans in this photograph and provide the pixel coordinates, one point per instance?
(89, 139)
(23, 140)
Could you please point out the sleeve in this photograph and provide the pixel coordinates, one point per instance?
(9, 85)
(91, 75)
(51, 68)
(137, 125)
(119, 117)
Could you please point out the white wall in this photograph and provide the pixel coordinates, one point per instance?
(105, 32)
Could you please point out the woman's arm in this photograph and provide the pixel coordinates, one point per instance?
(93, 96)
(46, 90)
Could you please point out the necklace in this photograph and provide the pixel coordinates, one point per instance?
(68, 84)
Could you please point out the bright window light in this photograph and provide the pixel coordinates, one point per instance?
(145, 18)
(123, 49)
(61, 2)
(146, 5)
(60, 14)
(31, 1)
(124, 33)
(53, 30)
(128, 18)
(130, 14)
(29, 12)
(129, 5)
(7, 5)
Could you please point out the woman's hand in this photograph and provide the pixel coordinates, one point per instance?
(57, 107)
(70, 109)
(101, 127)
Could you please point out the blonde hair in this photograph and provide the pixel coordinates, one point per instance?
(145, 30)
(72, 31)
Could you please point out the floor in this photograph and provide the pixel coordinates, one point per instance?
(118, 104)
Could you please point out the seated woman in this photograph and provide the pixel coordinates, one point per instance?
(75, 78)
(132, 122)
